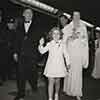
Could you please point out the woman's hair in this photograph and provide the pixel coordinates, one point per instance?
(59, 21)
(51, 32)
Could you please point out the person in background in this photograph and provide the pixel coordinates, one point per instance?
(26, 53)
(76, 39)
(55, 66)
(96, 69)
(2, 62)
(92, 38)
(9, 36)
(63, 20)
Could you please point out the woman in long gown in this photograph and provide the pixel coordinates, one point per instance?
(96, 70)
(77, 44)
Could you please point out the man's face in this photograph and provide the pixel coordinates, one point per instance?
(28, 14)
(10, 26)
(76, 16)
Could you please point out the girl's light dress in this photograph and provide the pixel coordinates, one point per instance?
(55, 66)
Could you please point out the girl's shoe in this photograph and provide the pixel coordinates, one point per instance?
(56, 97)
(50, 99)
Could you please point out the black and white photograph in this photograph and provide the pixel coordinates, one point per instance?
(49, 50)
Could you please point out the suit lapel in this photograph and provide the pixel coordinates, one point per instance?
(30, 27)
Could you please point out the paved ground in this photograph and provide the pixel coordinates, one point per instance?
(91, 91)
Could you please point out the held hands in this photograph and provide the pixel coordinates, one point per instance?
(42, 41)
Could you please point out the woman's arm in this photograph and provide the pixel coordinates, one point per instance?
(84, 36)
(85, 50)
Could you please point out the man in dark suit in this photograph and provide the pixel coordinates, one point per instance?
(26, 54)
(8, 37)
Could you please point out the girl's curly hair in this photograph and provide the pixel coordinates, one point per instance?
(51, 32)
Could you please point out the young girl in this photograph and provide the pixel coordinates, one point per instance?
(55, 66)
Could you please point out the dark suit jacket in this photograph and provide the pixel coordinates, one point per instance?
(27, 43)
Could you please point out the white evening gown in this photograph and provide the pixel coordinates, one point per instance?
(78, 54)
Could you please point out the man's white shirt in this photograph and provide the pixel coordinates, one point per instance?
(26, 26)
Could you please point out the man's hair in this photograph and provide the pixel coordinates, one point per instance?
(63, 16)
(27, 9)
(59, 21)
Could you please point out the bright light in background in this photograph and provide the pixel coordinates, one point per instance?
(44, 7)
(40, 5)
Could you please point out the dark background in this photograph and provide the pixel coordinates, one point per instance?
(89, 8)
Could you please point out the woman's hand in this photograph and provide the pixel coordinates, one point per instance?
(41, 41)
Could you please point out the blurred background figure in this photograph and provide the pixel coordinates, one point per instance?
(92, 37)
(62, 20)
(7, 45)
(2, 69)
(9, 35)
(96, 70)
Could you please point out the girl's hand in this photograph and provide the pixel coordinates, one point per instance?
(41, 41)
